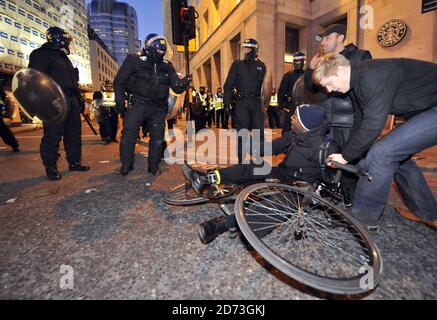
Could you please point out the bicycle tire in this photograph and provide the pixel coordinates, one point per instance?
(184, 195)
(305, 220)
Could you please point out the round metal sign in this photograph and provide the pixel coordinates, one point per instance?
(391, 33)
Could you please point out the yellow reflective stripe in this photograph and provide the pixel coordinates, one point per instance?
(219, 179)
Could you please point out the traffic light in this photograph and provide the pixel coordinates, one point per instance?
(183, 19)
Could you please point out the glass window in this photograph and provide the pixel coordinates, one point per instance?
(29, 16)
(12, 7)
(20, 54)
(23, 41)
(22, 12)
(8, 21)
(11, 52)
(27, 29)
(14, 38)
(17, 25)
(3, 34)
(2, 49)
(35, 33)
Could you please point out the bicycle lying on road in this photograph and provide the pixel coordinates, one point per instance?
(300, 229)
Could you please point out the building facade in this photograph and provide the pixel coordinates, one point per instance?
(283, 27)
(117, 25)
(23, 24)
(103, 64)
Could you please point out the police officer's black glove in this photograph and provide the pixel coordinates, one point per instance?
(227, 109)
(120, 109)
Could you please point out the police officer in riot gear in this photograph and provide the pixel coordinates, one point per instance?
(285, 92)
(146, 79)
(52, 59)
(246, 77)
(108, 117)
(5, 112)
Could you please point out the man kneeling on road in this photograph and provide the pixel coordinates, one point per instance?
(403, 87)
(301, 147)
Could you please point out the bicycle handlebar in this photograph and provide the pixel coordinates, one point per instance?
(351, 169)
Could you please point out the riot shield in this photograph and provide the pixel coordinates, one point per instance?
(303, 96)
(39, 95)
(172, 108)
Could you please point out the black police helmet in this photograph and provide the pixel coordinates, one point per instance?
(155, 47)
(253, 45)
(60, 37)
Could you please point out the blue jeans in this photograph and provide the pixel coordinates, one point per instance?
(391, 158)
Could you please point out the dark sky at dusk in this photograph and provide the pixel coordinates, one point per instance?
(149, 14)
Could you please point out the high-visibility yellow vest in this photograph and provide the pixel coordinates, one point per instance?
(274, 101)
(203, 99)
(218, 102)
(108, 99)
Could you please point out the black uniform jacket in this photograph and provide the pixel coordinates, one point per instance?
(246, 77)
(147, 80)
(55, 63)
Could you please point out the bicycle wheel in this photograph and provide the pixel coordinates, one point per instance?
(184, 195)
(308, 238)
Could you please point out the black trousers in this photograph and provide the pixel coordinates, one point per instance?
(286, 122)
(222, 119)
(273, 114)
(249, 116)
(69, 130)
(7, 135)
(108, 123)
(154, 117)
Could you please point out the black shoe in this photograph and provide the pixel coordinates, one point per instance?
(209, 230)
(154, 170)
(107, 140)
(114, 140)
(53, 174)
(125, 169)
(16, 149)
(78, 167)
(198, 181)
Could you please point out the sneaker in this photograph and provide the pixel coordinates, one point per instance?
(209, 230)
(78, 167)
(125, 169)
(198, 181)
(53, 174)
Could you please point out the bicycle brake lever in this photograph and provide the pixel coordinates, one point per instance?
(351, 169)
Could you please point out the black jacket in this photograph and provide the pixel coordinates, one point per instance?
(403, 87)
(246, 77)
(50, 60)
(147, 80)
(285, 91)
(302, 151)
